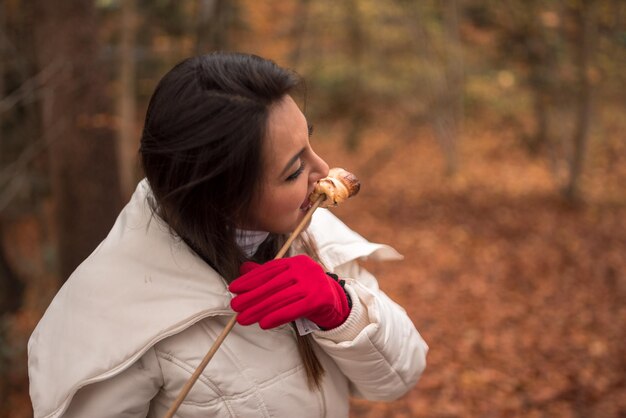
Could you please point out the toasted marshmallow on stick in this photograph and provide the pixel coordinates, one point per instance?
(338, 186)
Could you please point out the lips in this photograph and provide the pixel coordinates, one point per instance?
(306, 205)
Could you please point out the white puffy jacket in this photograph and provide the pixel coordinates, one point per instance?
(134, 320)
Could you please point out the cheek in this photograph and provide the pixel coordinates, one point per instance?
(290, 199)
(278, 210)
(285, 206)
(279, 203)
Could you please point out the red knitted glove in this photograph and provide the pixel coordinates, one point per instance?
(283, 290)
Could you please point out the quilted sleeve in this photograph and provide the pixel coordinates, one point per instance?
(386, 358)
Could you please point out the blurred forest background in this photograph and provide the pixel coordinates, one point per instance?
(489, 137)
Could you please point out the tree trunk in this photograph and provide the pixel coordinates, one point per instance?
(298, 29)
(77, 120)
(212, 25)
(11, 287)
(445, 93)
(584, 17)
(448, 123)
(128, 142)
(3, 57)
(539, 137)
(540, 58)
(357, 114)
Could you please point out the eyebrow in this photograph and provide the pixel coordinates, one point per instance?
(291, 162)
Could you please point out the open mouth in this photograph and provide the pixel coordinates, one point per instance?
(306, 205)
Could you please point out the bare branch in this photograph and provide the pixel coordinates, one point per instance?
(11, 191)
(14, 174)
(28, 89)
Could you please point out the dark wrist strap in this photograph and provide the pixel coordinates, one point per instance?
(342, 283)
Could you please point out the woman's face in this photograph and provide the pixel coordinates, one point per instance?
(291, 168)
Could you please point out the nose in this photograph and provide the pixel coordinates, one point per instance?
(319, 169)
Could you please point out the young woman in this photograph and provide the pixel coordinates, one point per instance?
(229, 168)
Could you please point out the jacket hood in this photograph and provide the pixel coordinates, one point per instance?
(138, 287)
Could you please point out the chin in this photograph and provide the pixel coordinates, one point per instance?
(287, 225)
(289, 228)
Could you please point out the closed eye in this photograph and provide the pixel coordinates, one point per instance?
(296, 173)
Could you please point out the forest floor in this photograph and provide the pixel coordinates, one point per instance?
(520, 296)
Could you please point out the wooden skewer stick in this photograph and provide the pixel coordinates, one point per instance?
(299, 228)
(220, 339)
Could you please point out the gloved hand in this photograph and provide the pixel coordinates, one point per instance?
(283, 290)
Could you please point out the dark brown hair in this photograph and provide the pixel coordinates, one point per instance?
(201, 150)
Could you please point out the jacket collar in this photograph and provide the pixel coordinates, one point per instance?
(139, 286)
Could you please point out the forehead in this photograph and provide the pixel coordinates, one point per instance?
(287, 132)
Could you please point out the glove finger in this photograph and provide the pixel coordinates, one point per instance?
(256, 277)
(298, 309)
(247, 267)
(245, 300)
(258, 312)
